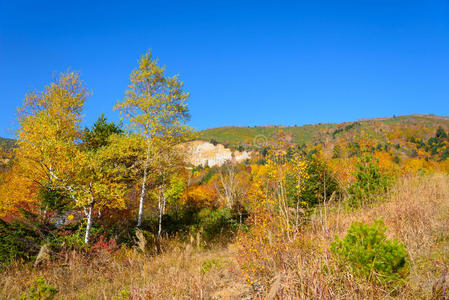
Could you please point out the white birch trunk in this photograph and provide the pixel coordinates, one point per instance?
(159, 231)
(144, 182)
(161, 207)
(89, 223)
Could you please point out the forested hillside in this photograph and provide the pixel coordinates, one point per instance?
(380, 130)
(409, 132)
(6, 152)
(403, 137)
(6, 144)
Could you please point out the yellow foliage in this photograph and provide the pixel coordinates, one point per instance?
(200, 196)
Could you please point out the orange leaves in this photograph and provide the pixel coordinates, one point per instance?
(200, 196)
(16, 192)
(386, 163)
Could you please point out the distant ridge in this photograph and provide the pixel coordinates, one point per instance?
(422, 125)
(6, 144)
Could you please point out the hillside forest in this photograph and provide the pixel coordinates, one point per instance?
(357, 210)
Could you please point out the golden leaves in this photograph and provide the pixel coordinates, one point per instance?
(154, 103)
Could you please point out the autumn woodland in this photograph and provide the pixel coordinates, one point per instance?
(117, 210)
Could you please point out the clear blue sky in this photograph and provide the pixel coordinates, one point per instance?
(244, 62)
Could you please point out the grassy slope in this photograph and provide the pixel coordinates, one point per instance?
(234, 134)
(308, 133)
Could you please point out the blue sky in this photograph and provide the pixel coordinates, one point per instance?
(244, 62)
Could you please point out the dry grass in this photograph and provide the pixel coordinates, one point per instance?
(181, 273)
(417, 213)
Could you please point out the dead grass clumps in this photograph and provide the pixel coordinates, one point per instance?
(416, 213)
(177, 274)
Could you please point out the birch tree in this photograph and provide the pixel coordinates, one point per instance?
(154, 106)
(227, 184)
(166, 163)
(232, 186)
(49, 154)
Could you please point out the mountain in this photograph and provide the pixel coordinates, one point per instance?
(6, 144)
(404, 132)
(381, 130)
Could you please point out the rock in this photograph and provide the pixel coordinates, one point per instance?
(44, 255)
(205, 153)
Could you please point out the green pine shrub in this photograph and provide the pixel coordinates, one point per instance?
(371, 255)
(370, 182)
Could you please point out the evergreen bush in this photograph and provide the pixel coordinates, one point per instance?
(370, 254)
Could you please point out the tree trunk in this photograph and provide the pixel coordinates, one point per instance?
(161, 211)
(161, 207)
(144, 182)
(89, 223)
(159, 231)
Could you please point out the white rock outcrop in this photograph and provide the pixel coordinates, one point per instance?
(205, 153)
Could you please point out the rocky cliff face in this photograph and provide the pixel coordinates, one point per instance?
(205, 153)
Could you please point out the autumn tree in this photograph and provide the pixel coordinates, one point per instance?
(22, 196)
(49, 152)
(174, 193)
(227, 185)
(231, 185)
(282, 176)
(320, 184)
(165, 165)
(154, 106)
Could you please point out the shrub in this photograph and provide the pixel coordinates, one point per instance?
(40, 291)
(445, 155)
(22, 238)
(104, 244)
(209, 264)
(370, 182)
(354, 149)
(209, 173)
(320, 183)
(440, 133)
(16, 242)
(69, 239)
(396, 160)
(336, 152)
(214, 223)
(370, 254)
